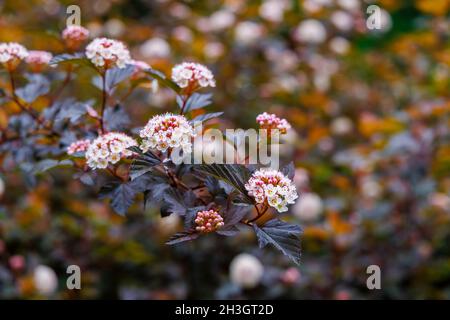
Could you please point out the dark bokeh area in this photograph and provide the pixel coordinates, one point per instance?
(370, 136)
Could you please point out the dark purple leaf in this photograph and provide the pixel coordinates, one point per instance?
(282, 235)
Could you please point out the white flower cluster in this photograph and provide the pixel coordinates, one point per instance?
(167, 131)
(108, 53)
(108, 148)
(38, 59)
(272, 187)
(271, 121)
(75, 35)
(11, 54)
(192, 76)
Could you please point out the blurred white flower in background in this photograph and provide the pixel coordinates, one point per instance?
(180, 11)
(213, 50)
(370, 188)
(221, 20)
(155, 48)
(248, 32)
(301, 178)
(308, 208)
(273, 10)
(310, 31)
(350, 5)
(386, 21)
(341, 126)
(312, 6)
(114, 28)
(45, 280)
(246, 270)
(339, 45)
(183, 34)
(342, 20)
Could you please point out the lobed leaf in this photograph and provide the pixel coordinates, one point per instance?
(233, 174)
(143, 163)
(282, 235)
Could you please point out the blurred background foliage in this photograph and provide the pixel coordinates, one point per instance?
(370, 141)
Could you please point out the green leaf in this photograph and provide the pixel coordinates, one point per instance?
(163, 79)
(282, 235)
(235, 175)
(206, 117)
(143, 163)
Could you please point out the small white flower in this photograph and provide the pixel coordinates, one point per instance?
(108, 53)
(246, 271)
(11, 54)
(108, 148)
(192, 76)
(273, 187)
(167, 131)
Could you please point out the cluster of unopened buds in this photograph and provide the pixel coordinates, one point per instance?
(192, 76)
(108, 148)
(208, 221)
(74, 36)
(272, 122)
(268, 186)
(167, 131)
(11, 54)
(38, 60)
(108, 53)
(78, 146)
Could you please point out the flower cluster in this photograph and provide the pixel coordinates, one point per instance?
(78, 146)
(208, 221)
(38, 59)
(108, 53)
(167, 131)
(271, 122)
(273, 188)
(108, 148)
(11, 54)
(74, 36)
(191, 76)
